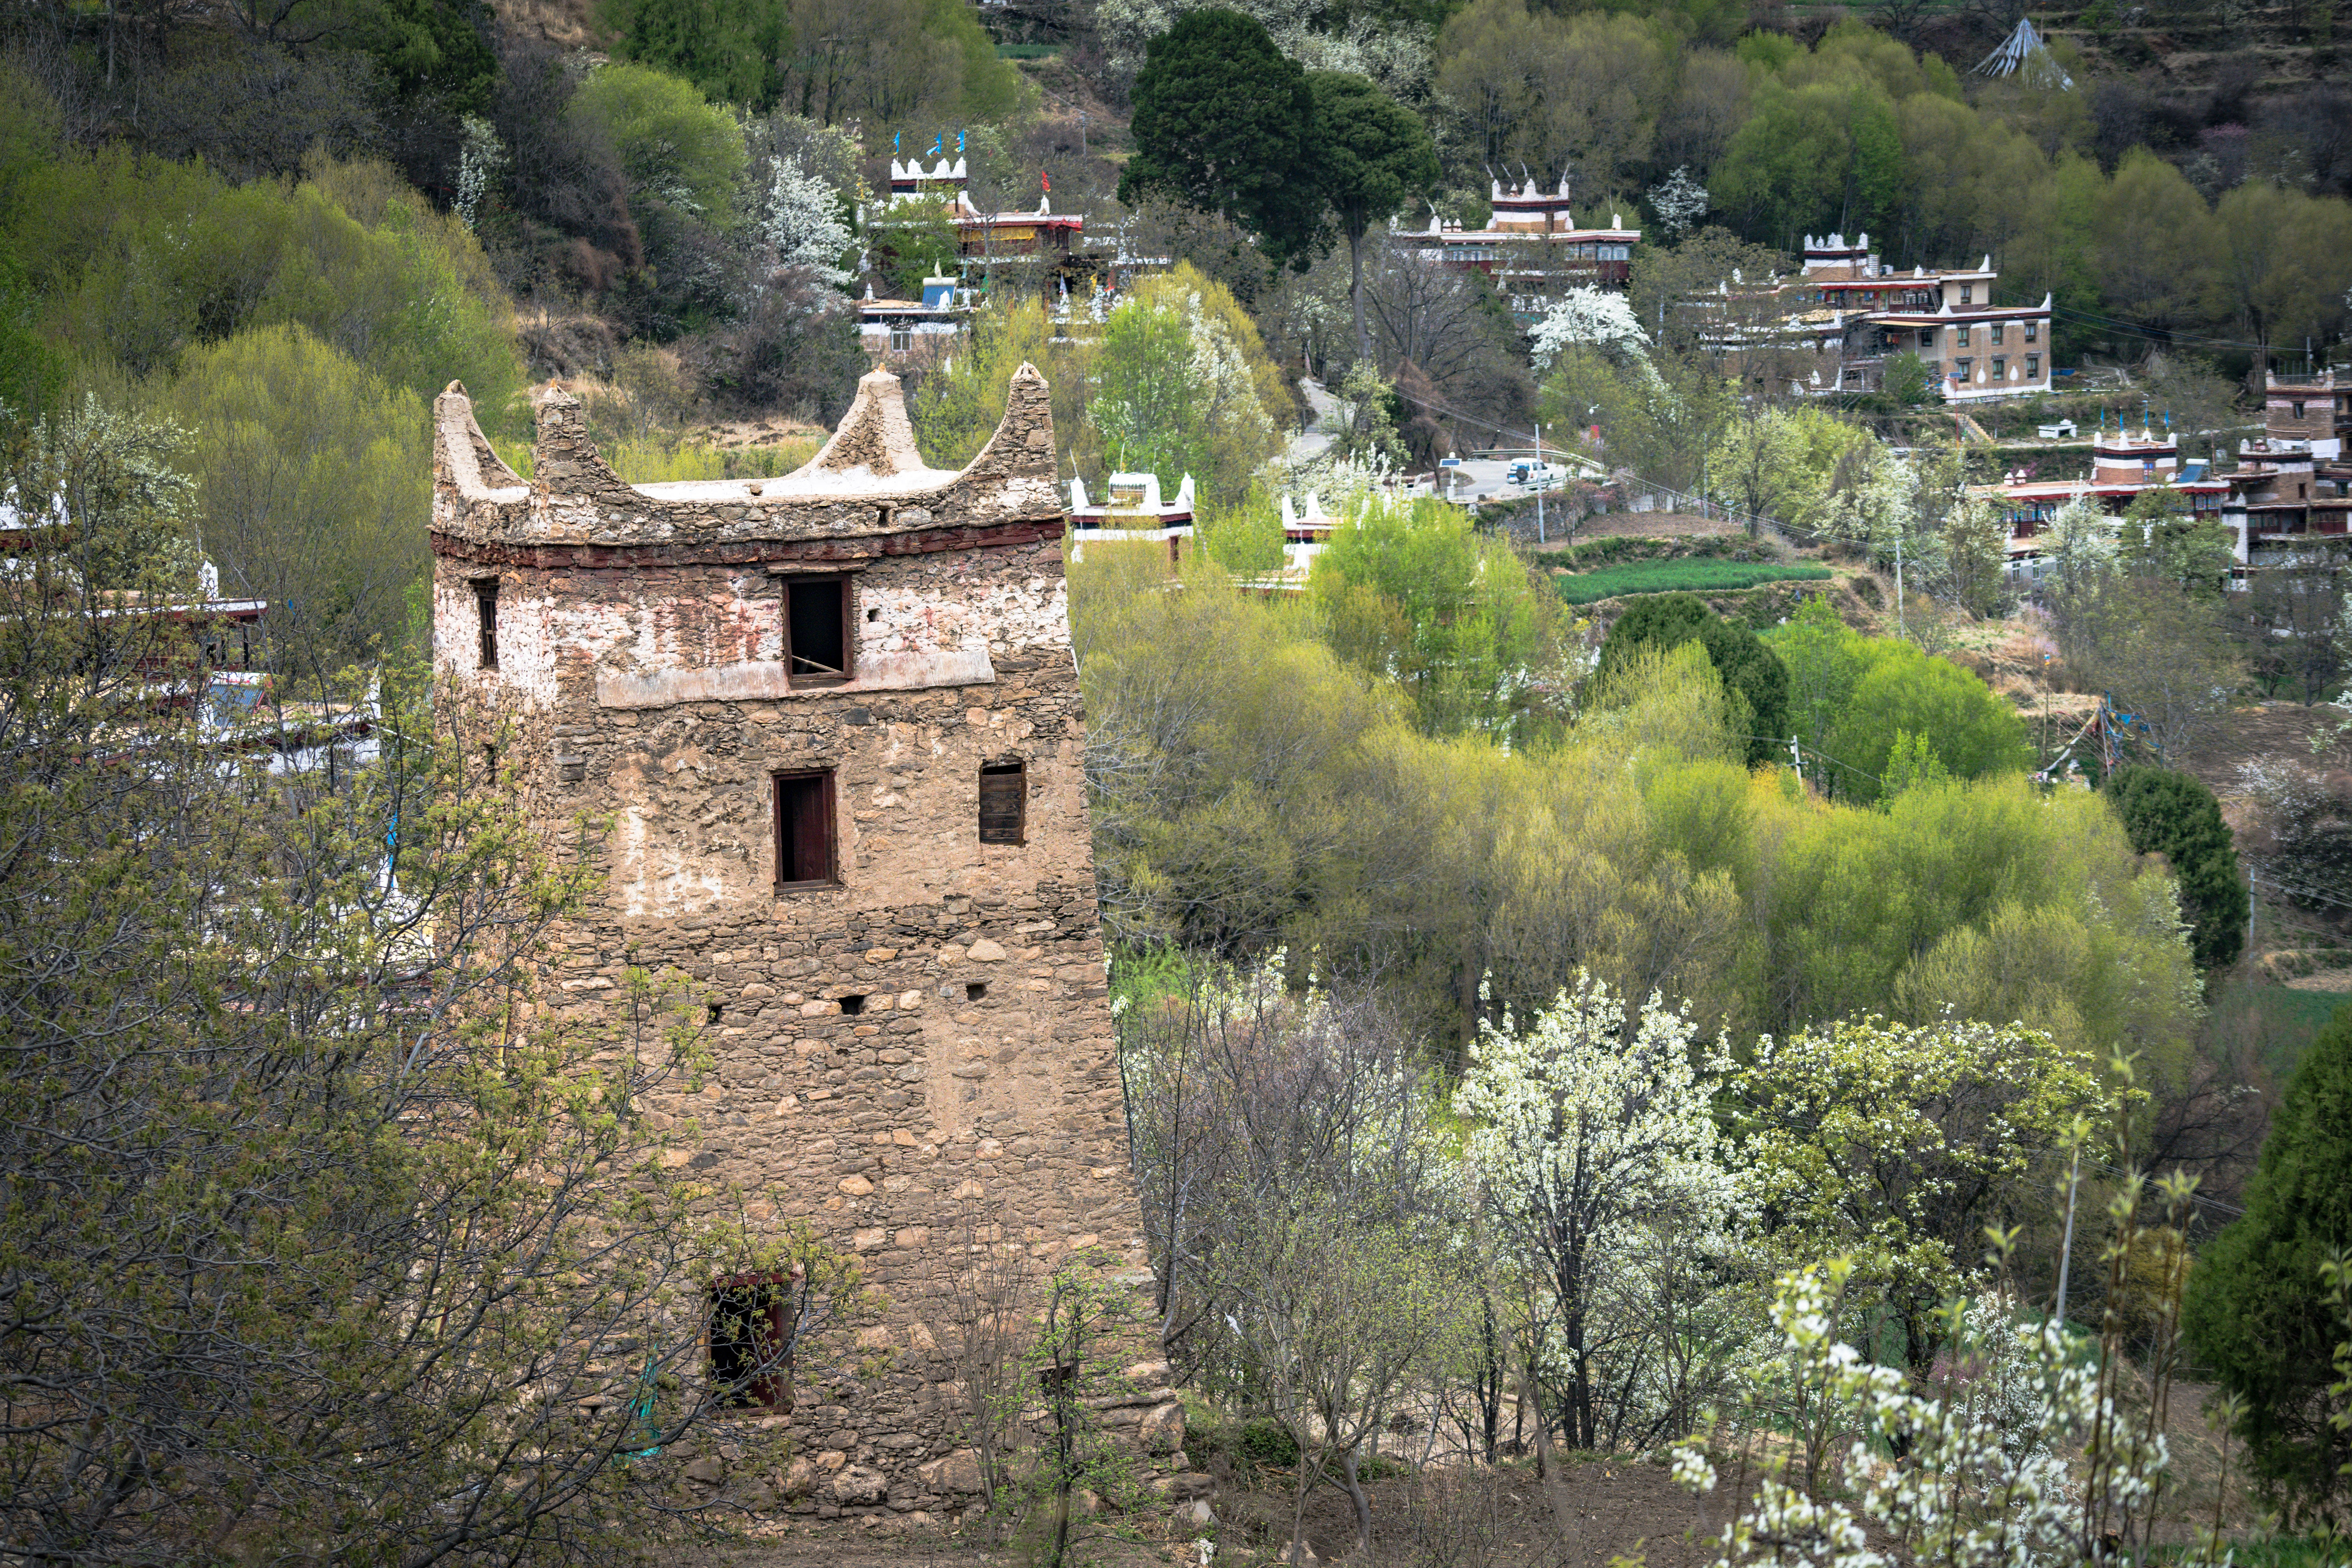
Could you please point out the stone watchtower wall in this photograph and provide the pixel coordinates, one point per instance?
(923, 1034)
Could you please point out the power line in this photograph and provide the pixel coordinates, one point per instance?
(2156, 335)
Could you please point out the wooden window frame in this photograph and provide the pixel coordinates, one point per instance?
(769, 1390)
(785, 860)
(1004, 767)
(848, 649)
(486, 621)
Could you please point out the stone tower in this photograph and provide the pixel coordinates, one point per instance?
(833, 722)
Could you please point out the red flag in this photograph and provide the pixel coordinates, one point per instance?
(1045, 180)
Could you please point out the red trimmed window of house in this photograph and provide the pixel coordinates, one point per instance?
(806, 842)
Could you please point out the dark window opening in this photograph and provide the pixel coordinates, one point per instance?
(853, 1005)
(486, 608)
(748, 1360)
(1004, 803)
(975, 990)
(817, 630)
(874, 615)
(804, 839)
(717, 1012)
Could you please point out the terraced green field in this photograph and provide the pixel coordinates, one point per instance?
(1680, 577)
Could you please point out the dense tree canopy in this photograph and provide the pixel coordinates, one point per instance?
(2174, 815)
(1371, 156)
(1748, 668)
(1224, 122)
(2257, 1313)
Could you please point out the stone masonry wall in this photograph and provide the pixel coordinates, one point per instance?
(925, 1043)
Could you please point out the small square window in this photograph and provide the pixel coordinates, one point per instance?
(1004, 803)
(1999, 368)
(901, 338)
(2033, 367)
(804, 836)
(486, 613)
(2032, 331)
(817, 630)
(1996, 331)
(750, 1360)
(1964, 337)
(1966, 291)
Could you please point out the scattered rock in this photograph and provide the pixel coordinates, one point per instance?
(858, 1486)
(755, 1496)
(1196, 1515)
(1184, 1488)
(709, 1469)
(1163, 1430)
(984, 951)
(957, 1472)
(1148, 1373)
(800, 1478)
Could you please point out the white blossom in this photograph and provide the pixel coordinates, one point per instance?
(1980, 1484)
(1679, 201)
(480, 155)
(804, 222)
(1589, 318)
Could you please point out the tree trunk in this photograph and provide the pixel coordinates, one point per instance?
(1297, 1513)
(1363, 1504)
(1355, 291)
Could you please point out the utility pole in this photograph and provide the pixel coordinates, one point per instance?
(2066, 1244)
(1900, 629)
(1539, 483)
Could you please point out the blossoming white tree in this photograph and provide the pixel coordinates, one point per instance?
(804, 222)
(1586, 317)
(1587, 1128)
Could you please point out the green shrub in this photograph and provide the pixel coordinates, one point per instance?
(1266, 1446)
(2256, 1314)
(2176, 815)
(1680, 577)
(1750, 670)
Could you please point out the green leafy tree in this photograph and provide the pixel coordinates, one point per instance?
(912, 240)
(2256, 1312)
(1750, 671)
(1823, 658)
(1180, 388)
(1900, 688)
(1414, 592)
(675, 144)
(1907, 380)
(1825, 155)
(1897, 1146)
(1224, 122)
(2163, 539)
(1371, 155)
(432, 48)
(734, 50)
(136, 261)
(2174, 815)
(310, 474)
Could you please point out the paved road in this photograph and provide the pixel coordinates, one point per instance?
(1478, 478)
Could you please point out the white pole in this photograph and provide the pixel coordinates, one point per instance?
(1900, 629)
(1539, 483)
(2066, 1245)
